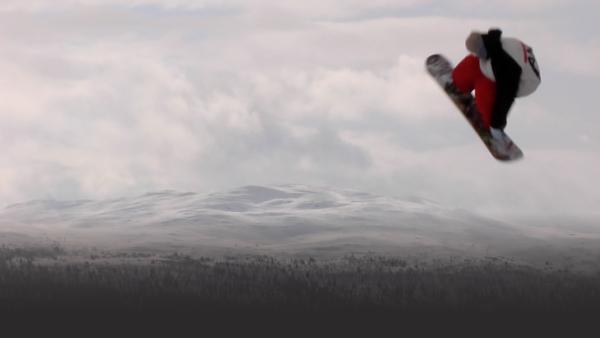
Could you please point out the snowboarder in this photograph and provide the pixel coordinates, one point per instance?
(499, 70)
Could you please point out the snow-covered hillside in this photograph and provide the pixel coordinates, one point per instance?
(289, 219)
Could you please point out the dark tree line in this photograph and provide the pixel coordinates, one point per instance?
(353, 283)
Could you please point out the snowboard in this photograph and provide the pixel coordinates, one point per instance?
(441, 70)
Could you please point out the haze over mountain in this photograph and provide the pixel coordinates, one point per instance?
(290, 220)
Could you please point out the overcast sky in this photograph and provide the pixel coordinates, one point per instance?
(110, 98)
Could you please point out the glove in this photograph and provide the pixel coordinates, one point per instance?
(475, 45)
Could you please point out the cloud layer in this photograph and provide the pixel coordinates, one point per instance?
(108, 98)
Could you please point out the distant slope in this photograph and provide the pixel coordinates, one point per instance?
(287, 219)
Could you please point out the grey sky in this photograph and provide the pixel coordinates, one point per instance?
(109, 98)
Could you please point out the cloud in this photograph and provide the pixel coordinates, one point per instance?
(103, 99)
(305, 8)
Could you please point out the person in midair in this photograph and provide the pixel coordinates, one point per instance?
(499, 69)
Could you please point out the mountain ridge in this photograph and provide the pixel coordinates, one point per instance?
(282, 219)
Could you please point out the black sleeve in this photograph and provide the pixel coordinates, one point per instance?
(492, 43)
(508, 75)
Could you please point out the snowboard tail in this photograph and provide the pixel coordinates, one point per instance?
(441, 70)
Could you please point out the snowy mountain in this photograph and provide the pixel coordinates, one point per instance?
(288, 219)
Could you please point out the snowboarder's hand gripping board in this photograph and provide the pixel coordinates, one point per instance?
(441, 70)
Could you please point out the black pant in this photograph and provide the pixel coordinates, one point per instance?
(508, 75)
